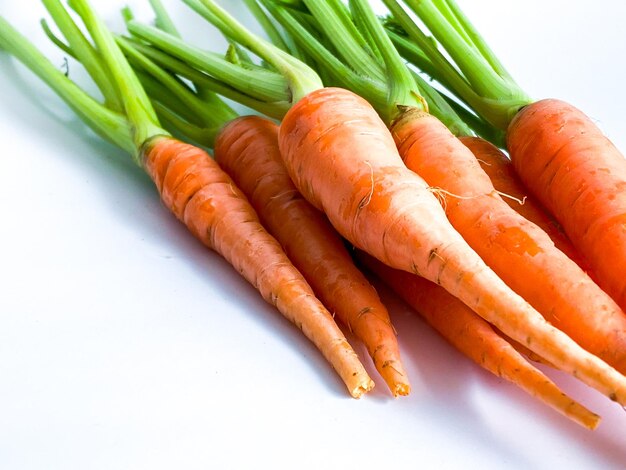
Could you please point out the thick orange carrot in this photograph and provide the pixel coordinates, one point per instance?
(475, 338)
(517, 250)
(208, 202)
(500, 170)
(247, 149)
(580, 176)
(343, 160)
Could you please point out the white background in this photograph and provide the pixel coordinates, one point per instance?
(124, 344)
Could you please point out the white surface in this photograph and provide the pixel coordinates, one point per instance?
(124, 344)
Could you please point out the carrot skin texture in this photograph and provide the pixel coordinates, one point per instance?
(206, 200)
(580, 176)
(476, 339)
(500, 170)
(247, 149)
(344, 161)
(520, 253)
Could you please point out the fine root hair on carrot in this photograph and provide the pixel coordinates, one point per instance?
(521, 201)
(441, 194)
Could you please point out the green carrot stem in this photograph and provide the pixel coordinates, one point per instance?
(136, 103)
(339, 29)
(477, 40)
(110, 125)
(84, 52)
(217, 115)
(439, 107)
(403, 90)
(471, 62)
(375, 91)
(159, 93)
(487, 87)
(268, 26)
(263, 85)
(163, 19)
(414, 55)
(301, 79)
(56, 40)
(199, 135)
(204, 82)
(478, 125)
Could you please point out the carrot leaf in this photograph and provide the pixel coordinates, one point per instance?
(300, 77)
(207, 85)
(261, 84)
(137, 105)
(84, 51)
(110, 125)
(473, 72)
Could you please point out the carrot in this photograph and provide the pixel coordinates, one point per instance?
(476, 339)
(558, 152)
(216, 212)
(343, 160)
(513, 247)
(517, 250)
(383, 208)
(247, 149)
(580, 176)
(191, 184)
(505, 180)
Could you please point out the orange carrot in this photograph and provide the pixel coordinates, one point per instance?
(505, 180)
(190, 183)
(560, 154)
(247, 149)
(475, 338)
(579, 175)
(208, 202)
(517, 250)
(343, 160)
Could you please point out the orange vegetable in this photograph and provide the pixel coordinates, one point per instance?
(208, 202)
(343, 160)
(475, 338)
(500, 170)
(247, 149)
(517, 250)
(580, 176)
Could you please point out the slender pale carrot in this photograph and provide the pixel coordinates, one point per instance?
(343, 160)
(505, 180)
(190, 183)
(517, 250)
(247, 149)
(580, 176)
(476, 339)
(209, 203)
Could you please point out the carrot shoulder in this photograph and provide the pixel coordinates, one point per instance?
(580, 177)
(475, 338)
(517, 250)
(247, 149)
(505, 180)
(206, 200)
(343, 160)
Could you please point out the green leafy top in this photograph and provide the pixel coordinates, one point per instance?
(474, 73)
(126, 118)
(323, 33)
(195, 111)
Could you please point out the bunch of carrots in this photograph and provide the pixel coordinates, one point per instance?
(513, 259)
